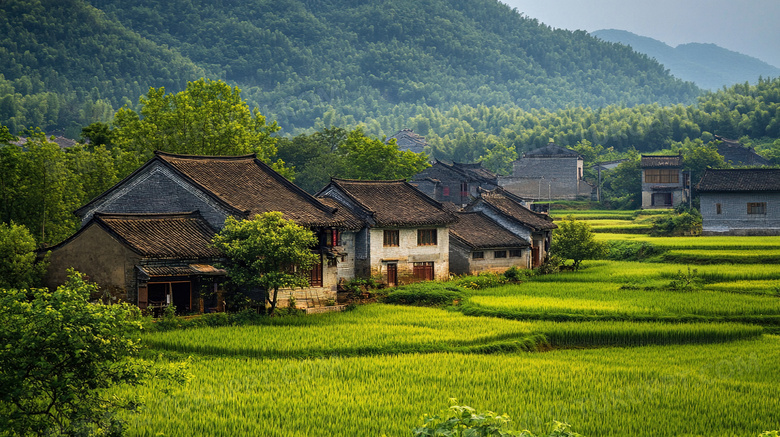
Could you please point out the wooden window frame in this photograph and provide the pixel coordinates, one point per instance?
(391, 238)
(756, 208)
(427, 237)
(718, 209)
(478, 255)
(499, 254)
(515, 253)
(662, 176)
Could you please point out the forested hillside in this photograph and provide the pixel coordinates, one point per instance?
(68, 63)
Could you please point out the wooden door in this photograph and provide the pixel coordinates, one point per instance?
(392, 275)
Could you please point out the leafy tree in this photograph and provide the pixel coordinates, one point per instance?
(61, 358)
(575, 240)
(97, 134)
(698, 156)
(207, 118)
(499, 159)
(623, 185)
(18, 259)
(267, 251)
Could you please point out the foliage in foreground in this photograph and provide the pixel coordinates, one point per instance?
(60, 357)
(464, 421)
(17, 258)
(575, 240)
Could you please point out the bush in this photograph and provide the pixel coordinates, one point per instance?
(679, 223)
(513, 274)
(482, 280)
(466, 421)
(425, 294)
(631, 250)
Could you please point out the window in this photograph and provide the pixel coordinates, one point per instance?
(426, 237)
(756, 208)
(515, 253)
(391, 238)
(662, 176)
(464, 189)
(331, 237)
(445, 191)
(717, 208)
(423, 271)
(499, 254)
(478, 255)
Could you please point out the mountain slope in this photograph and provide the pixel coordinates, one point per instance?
(309, 62)
(707, 65)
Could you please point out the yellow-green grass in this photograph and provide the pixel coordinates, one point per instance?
(725, 389)
(771, 243)
(389, 329)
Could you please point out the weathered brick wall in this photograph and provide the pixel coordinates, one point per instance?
(462, 261)
(734, 219)
(159, 190)
(408, 252)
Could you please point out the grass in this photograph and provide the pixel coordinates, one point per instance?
(610, 349)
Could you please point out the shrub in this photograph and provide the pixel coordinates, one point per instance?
(482, 280)
(621, 250)
(677, 224)
(513, 274)
(466, 421)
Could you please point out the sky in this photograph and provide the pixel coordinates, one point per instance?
(751, 27)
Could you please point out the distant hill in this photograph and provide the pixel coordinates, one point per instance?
(707, 65)
(66, 63)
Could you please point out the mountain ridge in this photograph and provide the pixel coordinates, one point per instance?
(707, 65)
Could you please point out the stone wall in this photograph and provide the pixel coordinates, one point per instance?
(734, 219)
(547, 178)
(408, 252)
(462, 261)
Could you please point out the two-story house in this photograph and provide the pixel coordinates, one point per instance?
(405, 237)
(664, 184)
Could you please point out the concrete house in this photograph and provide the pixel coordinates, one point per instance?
(457, 183)
(550, 172)
(406, 233)
(740, 201)
(216, 187)
(479, 244)
(664, 184)
(508, 211)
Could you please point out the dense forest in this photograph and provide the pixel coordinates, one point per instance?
(68, 63)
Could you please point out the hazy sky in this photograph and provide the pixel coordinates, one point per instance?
(751, 27)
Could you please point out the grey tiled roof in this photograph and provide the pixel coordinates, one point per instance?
(477, 231)
(661, 161)
(735, 180)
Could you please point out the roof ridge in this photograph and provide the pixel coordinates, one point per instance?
(149, 215)
(162, 154)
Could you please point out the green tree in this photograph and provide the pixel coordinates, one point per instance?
(499, 159)
(61, 358)
(97, 134)
(207, 118)
(575, 240)
(18, 259)
(623, 185)
(364, 157)
(697, 157)
(267, 251)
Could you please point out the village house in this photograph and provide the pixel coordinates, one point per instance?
(405, 237)
(736, 154)
(216, 187)
(740, 201)
(664, 184)
(407, 140)
(548, 173)
(508, 211)
(150, 259)
(479, 244)
(457, 183)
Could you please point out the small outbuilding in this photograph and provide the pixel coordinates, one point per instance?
(479, 244)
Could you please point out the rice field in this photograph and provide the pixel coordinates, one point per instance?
(725, 389)
(612, 349)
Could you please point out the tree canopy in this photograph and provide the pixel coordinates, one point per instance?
(267, 251)
(574, 240)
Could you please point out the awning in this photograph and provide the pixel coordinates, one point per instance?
(188, 270)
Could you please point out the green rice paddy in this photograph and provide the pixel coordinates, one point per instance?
(613, 349)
